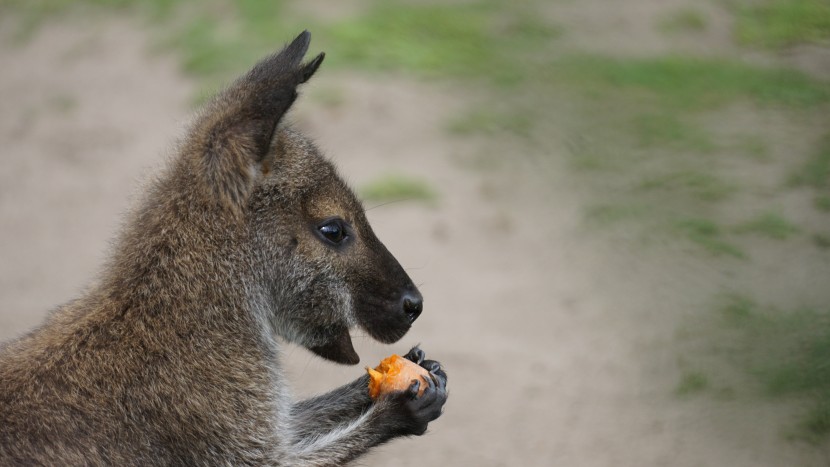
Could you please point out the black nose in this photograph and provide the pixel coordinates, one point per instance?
(413, 305)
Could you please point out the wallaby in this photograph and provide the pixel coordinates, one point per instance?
(248, 239)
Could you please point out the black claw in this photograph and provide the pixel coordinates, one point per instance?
(416, 355)
(414, 388)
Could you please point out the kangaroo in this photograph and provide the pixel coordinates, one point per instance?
(249, 239)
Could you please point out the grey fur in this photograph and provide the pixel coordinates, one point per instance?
(173, 358)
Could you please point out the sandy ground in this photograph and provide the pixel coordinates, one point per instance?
(558, 344)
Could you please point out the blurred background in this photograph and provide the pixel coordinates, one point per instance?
(618, 211)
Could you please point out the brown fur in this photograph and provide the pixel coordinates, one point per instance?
(173, 357)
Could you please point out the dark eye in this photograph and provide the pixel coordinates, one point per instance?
(334, 231)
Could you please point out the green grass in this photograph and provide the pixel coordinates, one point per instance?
(397, 187)
(822, 203)
(649, 109)
(779, 23)
(736, 308)
(691, 382)
(815, 424)
(592, 160)
(696, 185)
(709, 236)
(809, 368)
(815, 171)
(753, 147)
(216, 39)
(770, 225)
(788, 353)
(667, 130)
(821, 240)
(804, 370)
(608, 214)
(223, 39)
(490, 122)
(30, 14)
(488, 41)
(590, 153)
(680, 83)
(685, 20)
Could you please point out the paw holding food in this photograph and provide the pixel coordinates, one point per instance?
(395, 373)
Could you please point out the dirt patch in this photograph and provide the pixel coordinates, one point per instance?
(558, 344)
(86, 112)
(639, 29)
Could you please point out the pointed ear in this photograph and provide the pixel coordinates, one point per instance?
(270, 88)
(235, 131)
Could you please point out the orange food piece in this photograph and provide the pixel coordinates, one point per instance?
(395, 373)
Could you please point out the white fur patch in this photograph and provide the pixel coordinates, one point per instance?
(334, 436)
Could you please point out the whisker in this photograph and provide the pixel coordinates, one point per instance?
(422, 266)
(388, 203)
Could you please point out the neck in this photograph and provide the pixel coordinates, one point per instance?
(180, 255)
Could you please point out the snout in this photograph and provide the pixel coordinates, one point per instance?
(387, 320)
(412, 304)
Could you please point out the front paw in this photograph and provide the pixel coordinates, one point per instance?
(418, 356)
(415, 354)
(415, 412)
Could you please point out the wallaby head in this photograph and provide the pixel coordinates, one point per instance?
(315, 268)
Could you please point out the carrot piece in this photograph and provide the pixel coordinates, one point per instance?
(395, 373)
